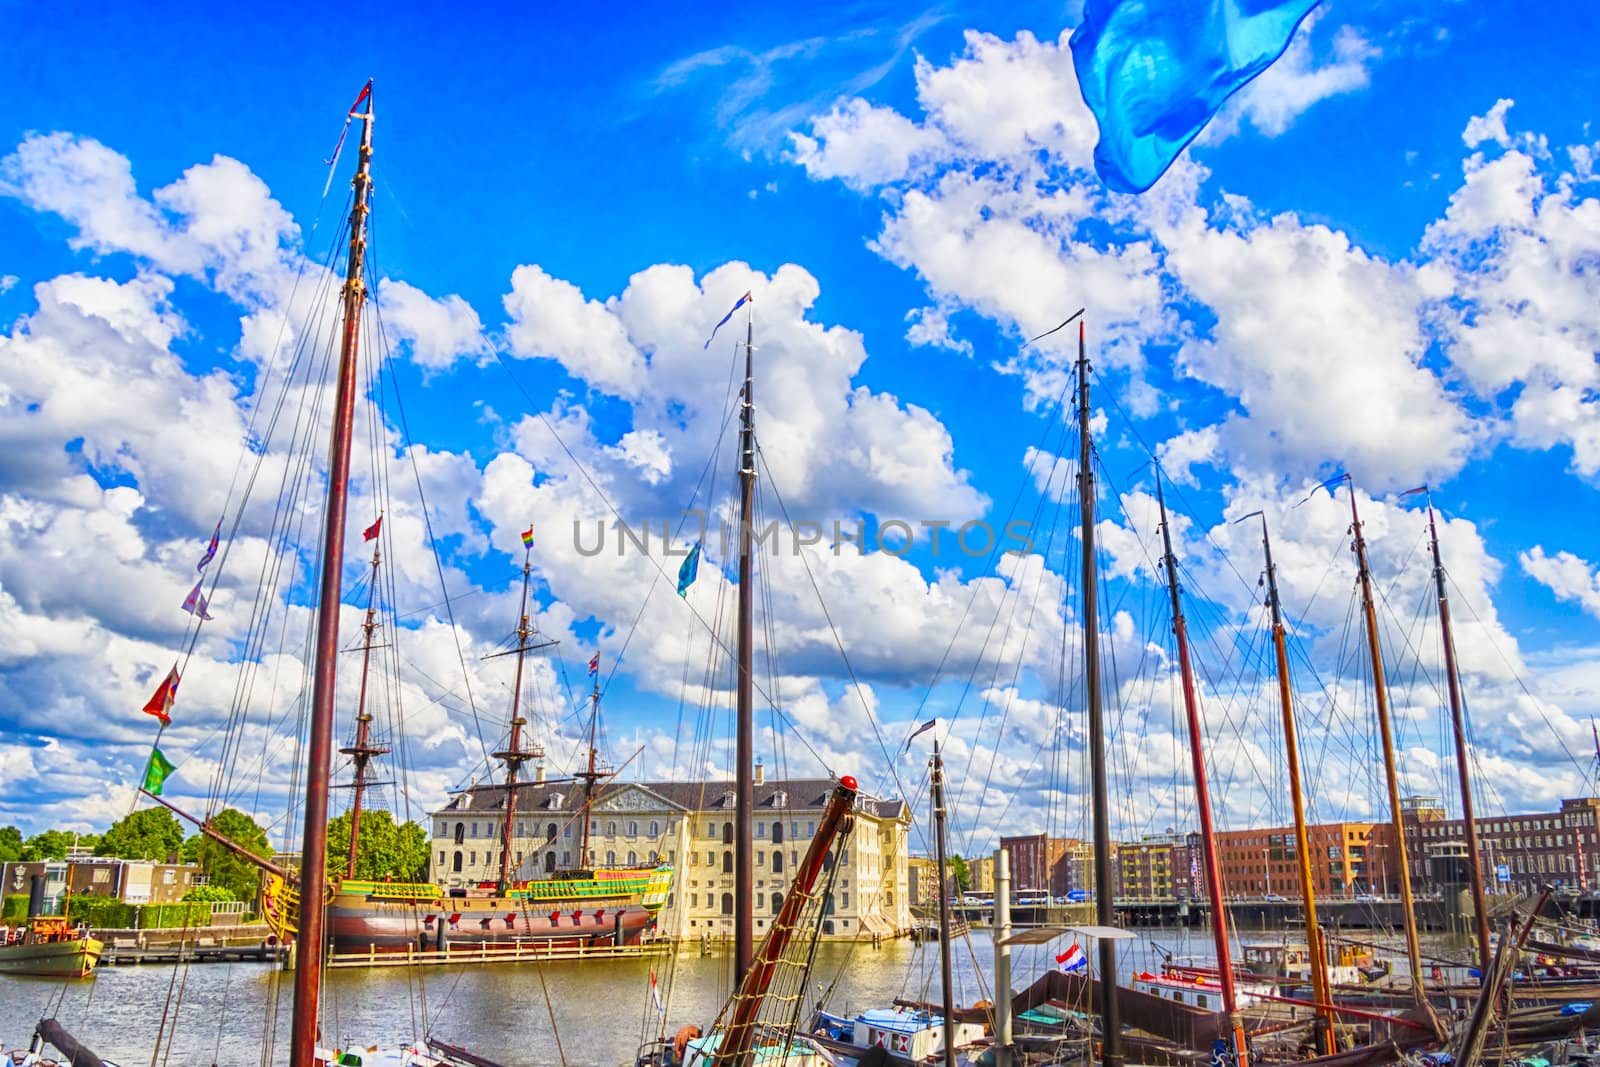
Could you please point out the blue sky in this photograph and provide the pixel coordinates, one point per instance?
(1369, 259)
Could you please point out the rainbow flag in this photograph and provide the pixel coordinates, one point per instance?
(527, 537)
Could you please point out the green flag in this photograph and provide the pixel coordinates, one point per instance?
(157, 772)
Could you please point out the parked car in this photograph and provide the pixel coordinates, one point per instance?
(1274, 896)
(1079, 896)
(1368, 897)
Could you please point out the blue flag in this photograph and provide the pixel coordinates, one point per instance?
(737, 305)
(689, 570)
(1154, 72)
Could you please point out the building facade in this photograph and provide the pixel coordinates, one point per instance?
(1347, 859)
(981, 871)
(1145, 870)
(130, 881)
(1037, 863)
(1519, 853)
(689, 825)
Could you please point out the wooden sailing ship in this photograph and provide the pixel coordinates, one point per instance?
(585, 905)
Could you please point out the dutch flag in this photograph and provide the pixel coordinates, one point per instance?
(1073, 960)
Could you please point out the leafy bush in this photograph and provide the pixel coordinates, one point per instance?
(172, 916)
(209, 894)
(101, 913)
(14, 908)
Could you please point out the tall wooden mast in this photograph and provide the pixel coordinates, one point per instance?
(1380, 691)
(319, 746)
(946, 980)
(1320, 992)
(744, 745)
(1202, 796)
(1105, 906)
(514, 755)
(1480, 908)
(591, 773)
(363, 750)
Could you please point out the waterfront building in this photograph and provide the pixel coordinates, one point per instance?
(981, 870)
(1040, 862)
(689, 825)
(1519, 853)
(1145, 870)
(130, 881)
(1347, 858)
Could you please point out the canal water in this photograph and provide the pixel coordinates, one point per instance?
(601, 1009)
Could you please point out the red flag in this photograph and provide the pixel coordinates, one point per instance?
(160, 705)
(372, 531)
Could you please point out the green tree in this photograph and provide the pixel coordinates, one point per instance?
(383, 850)
(10, 844)
(151, 834)
(208, 894)
(190, 852)
(48, 845)
(234, 873)
(962, 873)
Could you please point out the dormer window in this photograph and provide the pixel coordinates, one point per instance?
(728, 799)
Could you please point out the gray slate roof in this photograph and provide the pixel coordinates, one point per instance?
(800, 794)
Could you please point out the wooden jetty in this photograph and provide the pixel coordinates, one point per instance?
(127, 951)
(541, 951)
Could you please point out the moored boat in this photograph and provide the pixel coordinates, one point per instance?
(49, 948)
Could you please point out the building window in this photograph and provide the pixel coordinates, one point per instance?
(474, 829)
(711, 859)
(550, 832)
(441, 857)
(472, 857)
(611, 828)
(655, 828)
(777, 862)
(694, 900)
(727, 903)
(761, 830)
(777, 833)
(461, 831)
(633, 858)
(566, 831)
(633, 829)
(611, 859)
(727, 863)
(457, 866)
(727, 833)
(777, 902)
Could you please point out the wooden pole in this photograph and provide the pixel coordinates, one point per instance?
(1480, 906)
(744, 731)
(1202, 796)
(319, 748)
(363, 750)
(1381, 699)
(1105, 905)
(1326, 1040)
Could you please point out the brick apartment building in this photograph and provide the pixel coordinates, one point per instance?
(1518, 852)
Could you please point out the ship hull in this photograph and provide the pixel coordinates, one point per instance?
(52, 959)
(364, 925)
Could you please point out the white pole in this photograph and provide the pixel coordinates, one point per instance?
(1002, 959)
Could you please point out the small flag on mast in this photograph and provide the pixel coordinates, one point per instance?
(158, 771)
(160, 705)
(655, 993)
(1073, 960)
(741, 302)
(211, 548)
(195, 603)
(689, 570)
(527, 537)
(918, 732)
(594, 665)
(372, 531)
